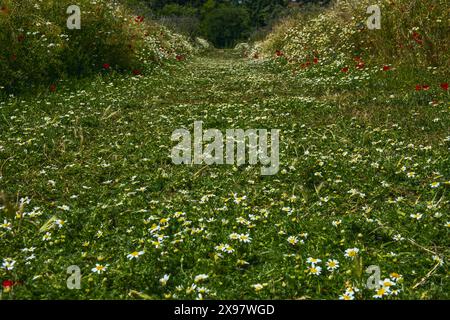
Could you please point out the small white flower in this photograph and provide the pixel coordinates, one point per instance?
(416, 216)
(395, 292)
(398, 237)
(99, 268)
(245, 238)
(435, 184)
(351, 253)
(6, 225)
(228, 249)
(387, 283)
(346, 296)
(135, 255)
(336, 223)
(200, 277)
(234, 236)
(315, 270)
(47, 236)
(411, 174)
(380, 293)
(292, 240)
(438, 259)
(313, 261)
(332, 264)
(191, 288)
(224, 248)
(351, 290)
(32, 257)
(258, 287)
(8, 263)
(60, 223)
(164, 279)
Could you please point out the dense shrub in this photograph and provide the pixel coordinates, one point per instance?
(225, 26)
(37, 47)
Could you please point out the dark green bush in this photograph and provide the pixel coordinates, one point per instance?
(226, 26)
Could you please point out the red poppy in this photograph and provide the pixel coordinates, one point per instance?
(139, 19)
(345, 69)
(418, 87)
(417, 37)
(279, 53)
(426, 87)
(136, 72)
(386, 68)
(179, 57)
(53, 88)
(360, 65)
(106, 66)
(444, 86)
(7, 284)
(316, 60)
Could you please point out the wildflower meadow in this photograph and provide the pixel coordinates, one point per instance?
(310, 161)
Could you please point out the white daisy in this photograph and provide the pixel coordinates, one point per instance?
(99, 268)
(351, 253)
(135, 255)
(332, 264)
(8, 264)
(200, 277)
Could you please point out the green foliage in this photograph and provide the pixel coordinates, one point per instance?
(174, 9)
(225, 26)
(251, 17)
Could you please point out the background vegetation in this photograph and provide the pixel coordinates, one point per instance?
(223, 22)
(37, 48)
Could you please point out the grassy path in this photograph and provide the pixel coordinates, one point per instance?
(90, 182)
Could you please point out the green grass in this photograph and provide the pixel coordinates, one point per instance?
(102, 147)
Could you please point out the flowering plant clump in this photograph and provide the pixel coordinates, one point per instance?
(37, 46)
(341, 33)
